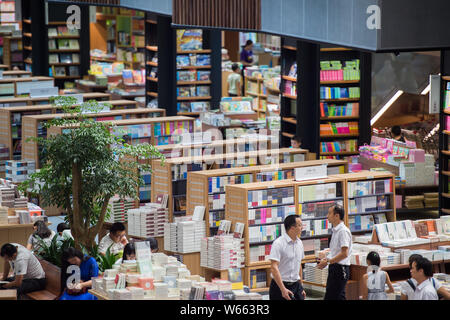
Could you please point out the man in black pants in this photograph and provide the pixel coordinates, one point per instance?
(286, 258)
(339, 255)
(28, 273)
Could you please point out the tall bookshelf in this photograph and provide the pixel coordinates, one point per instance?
(254, 87)
(151, 57)
(209, 190)
(288, 90)
(67, 50)
(444, 146)
(13, 52)
(176, 170)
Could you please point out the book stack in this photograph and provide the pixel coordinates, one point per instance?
(259, 252)
(3, 215)
(197, 292)
(316, 228)
(339, 93)
(147, 221)
(184, 236)
(264, 233)
(431, 199)
(414, 202)
(333, 70)
(161, 290)
(4, 156)
(315, 209)
(18, 171)
(318, 192)
(119, 209)
(221, 252)
(275, 175)
(7, 196)
(313, 274)
(20, 202)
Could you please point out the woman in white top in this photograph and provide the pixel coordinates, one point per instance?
(375, 280)
(41, 232)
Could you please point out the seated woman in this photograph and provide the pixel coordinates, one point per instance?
(41, 232)
(129, 253)
(87, 268)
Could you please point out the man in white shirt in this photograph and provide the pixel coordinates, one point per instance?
(422, 271)
(338, 256)
(115, 240)
(286, 258)
(28, 273)
(409, 286)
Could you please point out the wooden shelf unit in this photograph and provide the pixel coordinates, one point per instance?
(18, 107)
(237, 210)
(22, 85)
(162, 174)
(199, 194)
(152, 46)
(30, 126)
(369, 176)
(260, 96)
(9, 54)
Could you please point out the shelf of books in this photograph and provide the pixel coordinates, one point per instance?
(28, 101)
(444, 146)
(7, 16)
(288, 88)
(176, 171)
(370, 199)
(32, 126)
(339, 103)
(208, 187)
(21, 87)
(12, 51)
(12, 111)
(191, 149)
(193, 75)
(64, 52)
(151, 55)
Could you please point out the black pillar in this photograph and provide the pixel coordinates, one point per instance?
(365, 106)
(308, 95)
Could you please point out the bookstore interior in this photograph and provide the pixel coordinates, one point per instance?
(200, 138)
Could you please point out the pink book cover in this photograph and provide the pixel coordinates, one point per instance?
(263, 215)
(447, 127)
(341, 74)
(329, 147)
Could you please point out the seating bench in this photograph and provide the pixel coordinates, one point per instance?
(53, 284)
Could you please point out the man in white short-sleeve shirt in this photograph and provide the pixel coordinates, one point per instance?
(28, 273)
(409, 286)
(286, 257)
(339, 255)
(422, 271)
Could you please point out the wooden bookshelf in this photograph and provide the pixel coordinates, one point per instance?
(19, 107)
(30, 126)
(22, 85)
(289, 78)
(444, 191)
(16, 74)
(12, 52)
(369, 176)
(199, 195)
(163, 173)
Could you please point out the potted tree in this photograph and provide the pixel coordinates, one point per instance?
(85, 166)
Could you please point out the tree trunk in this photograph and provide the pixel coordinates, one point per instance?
(77, 227)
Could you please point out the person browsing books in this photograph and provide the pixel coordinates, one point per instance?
(339, 255)
(409, 286)
(234, 81)
(396, 133)
(87, 269)
(28, 273)
(41, 233)
(115, 239)
(375, 280)
(286, 257)
(129, 253)
(422, 272)
(247, 53)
